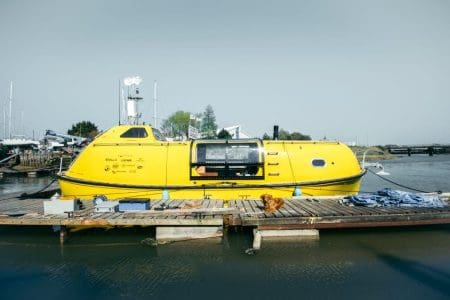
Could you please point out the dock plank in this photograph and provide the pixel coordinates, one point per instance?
(320, 213)
(293, 204)
(331, 205)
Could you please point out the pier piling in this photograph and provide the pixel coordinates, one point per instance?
(63, 235)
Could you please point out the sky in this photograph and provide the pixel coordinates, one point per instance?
(371, 72)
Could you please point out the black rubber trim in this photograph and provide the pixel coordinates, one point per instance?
(218, 185)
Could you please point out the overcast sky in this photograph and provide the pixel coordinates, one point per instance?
(374, 72)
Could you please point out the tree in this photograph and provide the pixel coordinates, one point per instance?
(209, 126)
(266, 136)
(85, 129)
(300, 137)
(224, 134)
(177, 124)
(284, 135)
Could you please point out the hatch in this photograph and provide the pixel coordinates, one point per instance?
(227, 159)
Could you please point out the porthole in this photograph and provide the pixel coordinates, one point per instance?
(318, 163)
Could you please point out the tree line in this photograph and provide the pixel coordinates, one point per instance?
(184, 125)
(285, 135)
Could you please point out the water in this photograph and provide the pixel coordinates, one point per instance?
(418, 171)
(393, 263)
(22, 184)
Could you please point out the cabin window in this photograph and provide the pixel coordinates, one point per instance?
(158, 135)
(227, 161)
(135, 132)
(318, 163)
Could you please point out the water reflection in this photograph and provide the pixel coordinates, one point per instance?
(23, 184)
(116, 264)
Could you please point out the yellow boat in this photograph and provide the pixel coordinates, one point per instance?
(135, 161)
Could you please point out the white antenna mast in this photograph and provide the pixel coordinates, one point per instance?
(4, 120)
(123, 116)
(10, 106)
(22, 126)
(155, 99)
(133, 99)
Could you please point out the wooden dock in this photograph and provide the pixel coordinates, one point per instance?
(419, 149)
(296, 214)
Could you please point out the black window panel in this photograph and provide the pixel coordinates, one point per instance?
(158, 135)
(229, 160)
(227, 153)
(135, 132)
(318, 163)
(211, 153)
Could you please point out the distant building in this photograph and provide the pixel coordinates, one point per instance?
(235, 132)
(351, 144)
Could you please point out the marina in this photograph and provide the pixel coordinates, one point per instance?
(216, 150)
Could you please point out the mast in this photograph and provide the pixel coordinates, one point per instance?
(4, 118)
(133, 98)
(22, 126)
(120, 102)
(124, 105)
(155, 99)
(10, 106)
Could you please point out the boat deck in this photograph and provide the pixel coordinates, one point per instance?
(304, 213)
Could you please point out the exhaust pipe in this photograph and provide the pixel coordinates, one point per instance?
(275, 132)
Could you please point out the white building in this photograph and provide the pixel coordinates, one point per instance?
(235, 132)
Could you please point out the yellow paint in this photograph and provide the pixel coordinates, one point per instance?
(142, 167)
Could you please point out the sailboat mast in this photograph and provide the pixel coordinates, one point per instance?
(4, 119)
(155, 86)
(10, 106)
(120, 102)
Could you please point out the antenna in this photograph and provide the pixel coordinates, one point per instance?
(120, 101)
(133, 98)
(10, 106)
(155, 99)
(4, 120)
(22, 126)
(124, 105)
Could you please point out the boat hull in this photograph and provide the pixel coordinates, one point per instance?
(130, 162)
(225, 191)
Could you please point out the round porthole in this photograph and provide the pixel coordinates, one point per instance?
(318, 163)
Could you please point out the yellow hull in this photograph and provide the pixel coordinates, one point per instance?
(119, 166)
(84, 191)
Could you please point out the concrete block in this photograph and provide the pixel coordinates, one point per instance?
(258, 235)
(107, 206)
(181, 233)
(60, 207)
(290, 233)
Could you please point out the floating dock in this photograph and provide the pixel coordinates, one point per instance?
(186, 219)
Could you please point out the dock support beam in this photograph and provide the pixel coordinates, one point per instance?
(301, 233)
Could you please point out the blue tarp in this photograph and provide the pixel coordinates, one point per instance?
(393, 198)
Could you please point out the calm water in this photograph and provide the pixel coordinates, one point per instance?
(411, 263)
